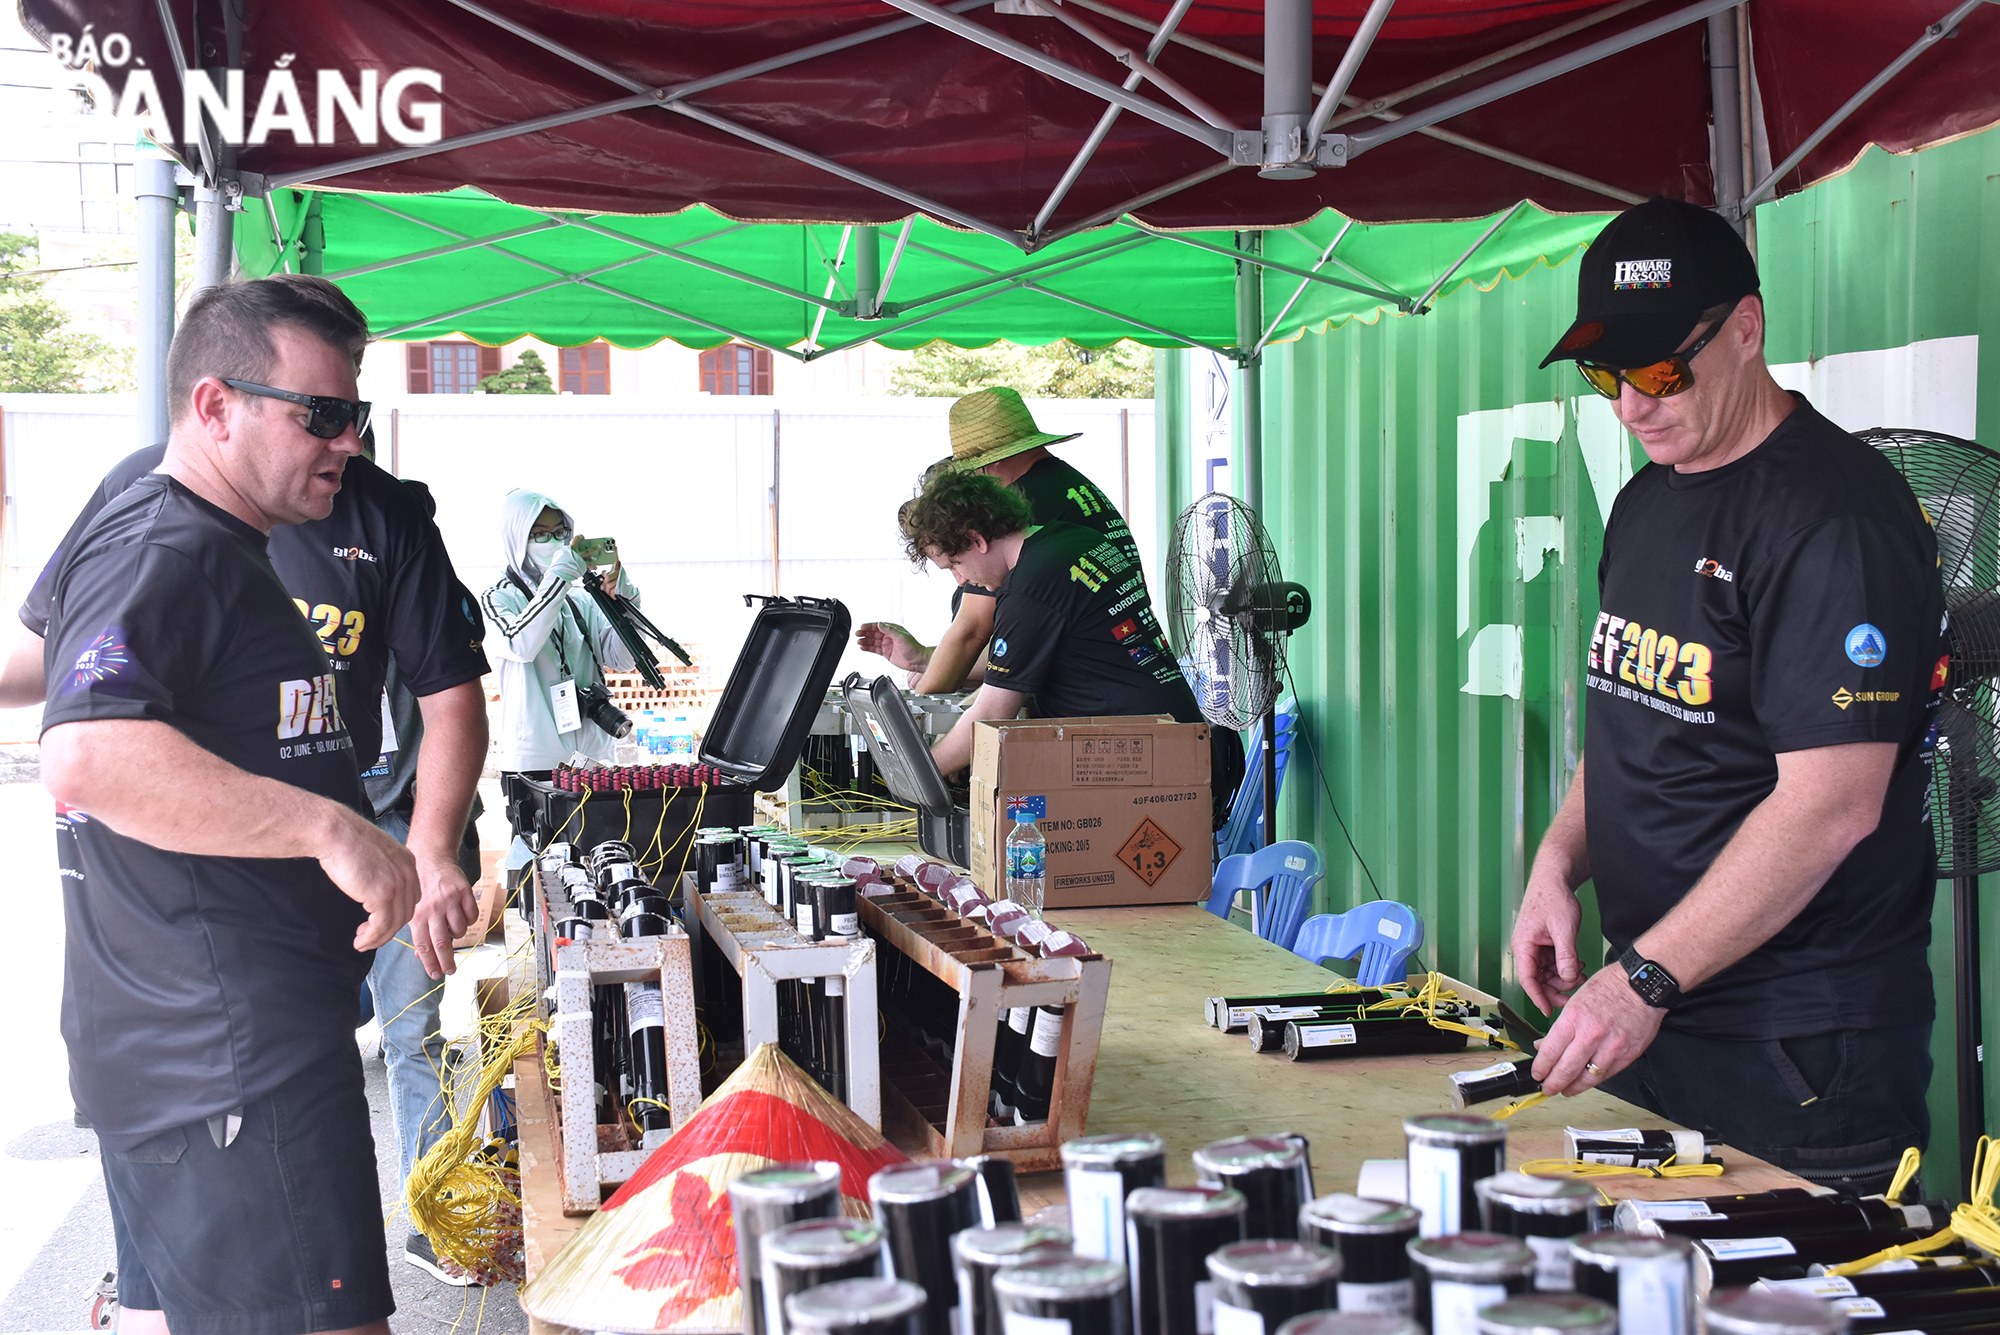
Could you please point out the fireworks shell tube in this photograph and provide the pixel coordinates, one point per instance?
(1099, 1172)
(1169, 1234)
(920, 1206)
(1548, 1314)
(1650, 1277)
(1447, 1153)
(1543, 1212)
(1274, 1173)
(858, 1307)
(1632, 1147)
(978, 1254)
(1458, 1274)
(767, 1200)
(1762, 1312)
(805, 1255)
(1350, 1323)
(1265, 1282)
(1086, 1295)
(998, 1194)
(1488, 1084)
(1373, 1239)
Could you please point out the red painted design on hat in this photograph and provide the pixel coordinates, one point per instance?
(1583, 336)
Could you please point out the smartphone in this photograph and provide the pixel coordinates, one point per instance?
(598, 551)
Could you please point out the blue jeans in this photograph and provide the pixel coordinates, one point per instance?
(406, 1004)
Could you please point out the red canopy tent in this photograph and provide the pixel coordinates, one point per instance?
(976, 111)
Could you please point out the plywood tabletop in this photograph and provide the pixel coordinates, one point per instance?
(1162, 1069)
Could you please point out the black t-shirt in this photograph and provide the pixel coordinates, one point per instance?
(1785, 601)
(195, 984)
(373, 578)
(1058, 494)
(1075, 630)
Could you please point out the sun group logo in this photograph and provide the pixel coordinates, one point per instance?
(1629, 274)
(1714, 570)
(355, 554)
(371, 105)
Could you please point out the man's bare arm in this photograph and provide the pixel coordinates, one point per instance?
(448, 765)
(150, 782)
(962, 647)
(1827, 800)
(1544, 943)
(22, 682)
(954, 749)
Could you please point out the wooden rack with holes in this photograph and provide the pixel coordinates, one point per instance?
(948, 1109)
(763, 948)
(688, 688)
(591, 1157)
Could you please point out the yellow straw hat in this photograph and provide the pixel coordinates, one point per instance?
(992, 425)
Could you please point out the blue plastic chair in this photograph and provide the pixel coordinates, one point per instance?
(1243, 832)
(1280, 880)
(1382, 934)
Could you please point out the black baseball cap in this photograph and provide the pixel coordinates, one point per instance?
(1646, 279)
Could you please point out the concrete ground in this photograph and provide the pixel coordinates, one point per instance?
(55, 1228)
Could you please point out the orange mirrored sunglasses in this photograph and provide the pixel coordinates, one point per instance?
(1662, 380)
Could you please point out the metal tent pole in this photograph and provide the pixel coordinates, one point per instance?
(1287, 88)
(158, 199)
(1249, 329)
(1726, 155)
(1967, 1013)
(867, 272)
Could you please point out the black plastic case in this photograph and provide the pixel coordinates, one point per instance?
(755, 734)
(903, 758)
(775, 691)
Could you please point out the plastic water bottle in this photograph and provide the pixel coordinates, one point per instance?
(680, 739)
(1027, 860)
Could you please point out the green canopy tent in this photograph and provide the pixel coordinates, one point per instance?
(425, 266)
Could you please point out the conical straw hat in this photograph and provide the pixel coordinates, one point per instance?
(661, 1254)
(993, 424)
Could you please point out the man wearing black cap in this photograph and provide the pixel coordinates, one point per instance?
(1763, 678)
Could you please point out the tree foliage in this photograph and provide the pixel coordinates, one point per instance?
(39, 352)
(528, 375)
(1060, 370)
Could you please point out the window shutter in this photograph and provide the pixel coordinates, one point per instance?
(707, 376)
(597, 368)
(489, 362)
(419, 368)
(572, 371)
(763, 362)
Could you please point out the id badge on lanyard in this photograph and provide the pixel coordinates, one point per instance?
(562, 700)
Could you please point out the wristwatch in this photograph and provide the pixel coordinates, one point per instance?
(1655, 986)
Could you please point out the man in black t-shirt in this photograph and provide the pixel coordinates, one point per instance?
(374, 581)
(223, 885)
(1763, 678)
(992, 432)
(1073, 631)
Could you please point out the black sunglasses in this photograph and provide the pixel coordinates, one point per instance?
(330, 416)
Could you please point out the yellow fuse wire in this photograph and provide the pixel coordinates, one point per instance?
(1578, 1168)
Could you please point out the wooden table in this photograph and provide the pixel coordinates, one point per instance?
(1162, 1069)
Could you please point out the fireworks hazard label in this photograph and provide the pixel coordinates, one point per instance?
(1149, 852)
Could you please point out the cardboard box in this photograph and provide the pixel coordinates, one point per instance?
(1128, 818)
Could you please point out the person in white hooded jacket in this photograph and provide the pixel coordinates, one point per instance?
(548, 631)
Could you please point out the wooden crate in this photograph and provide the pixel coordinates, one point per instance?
(990, 976)
(762, 947)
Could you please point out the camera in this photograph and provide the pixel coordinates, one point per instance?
(593, 701)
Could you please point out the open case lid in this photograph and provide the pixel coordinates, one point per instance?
(761, 721)
(897, 744)
(899, 749)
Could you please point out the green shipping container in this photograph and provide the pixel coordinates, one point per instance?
(1444, 501)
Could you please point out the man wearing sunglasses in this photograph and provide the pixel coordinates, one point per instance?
(219, 857)
(1763, 679)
